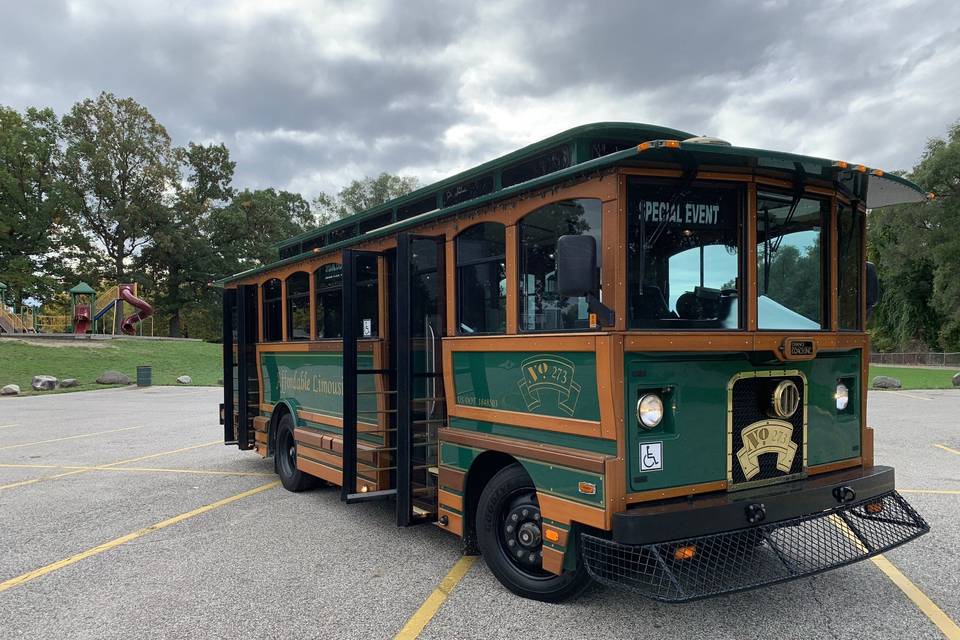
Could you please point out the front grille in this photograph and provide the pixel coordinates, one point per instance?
(749, 558)
(750, 405)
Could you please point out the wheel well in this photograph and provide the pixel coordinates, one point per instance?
(483, 468)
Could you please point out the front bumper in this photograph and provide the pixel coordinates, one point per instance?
(807, 527)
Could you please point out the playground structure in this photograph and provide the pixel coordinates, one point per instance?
(89, 313)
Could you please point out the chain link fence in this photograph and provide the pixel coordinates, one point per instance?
(916, 359)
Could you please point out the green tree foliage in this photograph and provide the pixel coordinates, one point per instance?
(917, 251)
(794, 277)
(180, 259)
(361, 195)
(245, 231)
(32, 224)
(118, 164)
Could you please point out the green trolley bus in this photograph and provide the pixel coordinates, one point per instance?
(623, 353)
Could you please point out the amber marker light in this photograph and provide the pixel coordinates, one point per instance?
(551, 535)
(840, 164)
(875, 507)
(671, 144)
(862, 168)
(643, 146)
(587, 488)
(877, 172)
(685, 553)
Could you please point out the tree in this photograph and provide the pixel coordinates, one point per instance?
(917, 251)
(361, 195)
(32, 224)
(180, 258)
(118, 164)
(244, 232)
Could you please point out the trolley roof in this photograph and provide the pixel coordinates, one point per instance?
(575, 152)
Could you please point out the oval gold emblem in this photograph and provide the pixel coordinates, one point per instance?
(786, 399)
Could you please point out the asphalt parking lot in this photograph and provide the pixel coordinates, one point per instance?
(123, 516)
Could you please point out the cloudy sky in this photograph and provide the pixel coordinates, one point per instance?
(309, 95)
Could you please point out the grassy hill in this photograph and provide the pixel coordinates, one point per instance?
(85, 360)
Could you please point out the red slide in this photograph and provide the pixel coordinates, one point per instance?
(145, 310)
(81, 318)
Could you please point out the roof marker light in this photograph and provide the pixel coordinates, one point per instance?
(840, 164)
(861, 168)
(876, 172)
(643, 146)
(671, 144)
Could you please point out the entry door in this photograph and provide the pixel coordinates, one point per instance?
(421, 409)
(241, 393)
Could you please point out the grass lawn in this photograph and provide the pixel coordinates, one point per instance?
(916, 378)
(86, 360)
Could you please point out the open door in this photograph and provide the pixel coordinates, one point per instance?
(241, 394)
(421, 407)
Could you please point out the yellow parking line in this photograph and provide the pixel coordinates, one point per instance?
(935, 614)
(946, 448)
(908, 395)
(116, 542)
(106, 466)
(82, 435)
(419, 620)
(156, 469)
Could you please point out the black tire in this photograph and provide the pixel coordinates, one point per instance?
(504, 538)
(285, 459)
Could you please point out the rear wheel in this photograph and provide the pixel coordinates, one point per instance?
(285, 459)
(508, 532)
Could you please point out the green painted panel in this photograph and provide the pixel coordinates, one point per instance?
(550, 478)
(693, 432)
(549, 384)
(557, 438)
(315, 381)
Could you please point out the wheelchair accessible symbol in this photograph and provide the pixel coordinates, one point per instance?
(651, 456)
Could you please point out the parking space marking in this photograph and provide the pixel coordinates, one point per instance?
(81, 435)
(116, 542)
(154, 469)
(7, 426)
(419, 620)
(107, 466)
(935, 614)
(946, 448)
(907, 395)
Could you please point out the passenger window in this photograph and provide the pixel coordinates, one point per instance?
(541, 308)
(272, 314)
(298, 306)
(368, 296)
(481, 279)
(329, 301)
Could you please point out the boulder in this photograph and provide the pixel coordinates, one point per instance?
(10, 390)
(68, 382)
(956, 379)
(113, 377)
(44, 383)
(886, 382)
(184, 380)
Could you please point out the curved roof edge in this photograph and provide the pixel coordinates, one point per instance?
(633, 132)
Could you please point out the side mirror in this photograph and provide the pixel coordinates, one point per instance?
(577, 266)
(873, 286)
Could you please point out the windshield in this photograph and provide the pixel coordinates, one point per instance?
(790, 270)
(684, 260)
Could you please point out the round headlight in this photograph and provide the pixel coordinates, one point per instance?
(650, 410)
(843, 396)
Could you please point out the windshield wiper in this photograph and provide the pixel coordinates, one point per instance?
(799, 183)
(690, 168)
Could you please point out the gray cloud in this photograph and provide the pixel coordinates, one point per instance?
(309, 96)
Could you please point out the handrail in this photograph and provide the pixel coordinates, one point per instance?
(13, 319)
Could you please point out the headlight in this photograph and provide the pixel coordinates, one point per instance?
(842, 395)
(650, 410)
